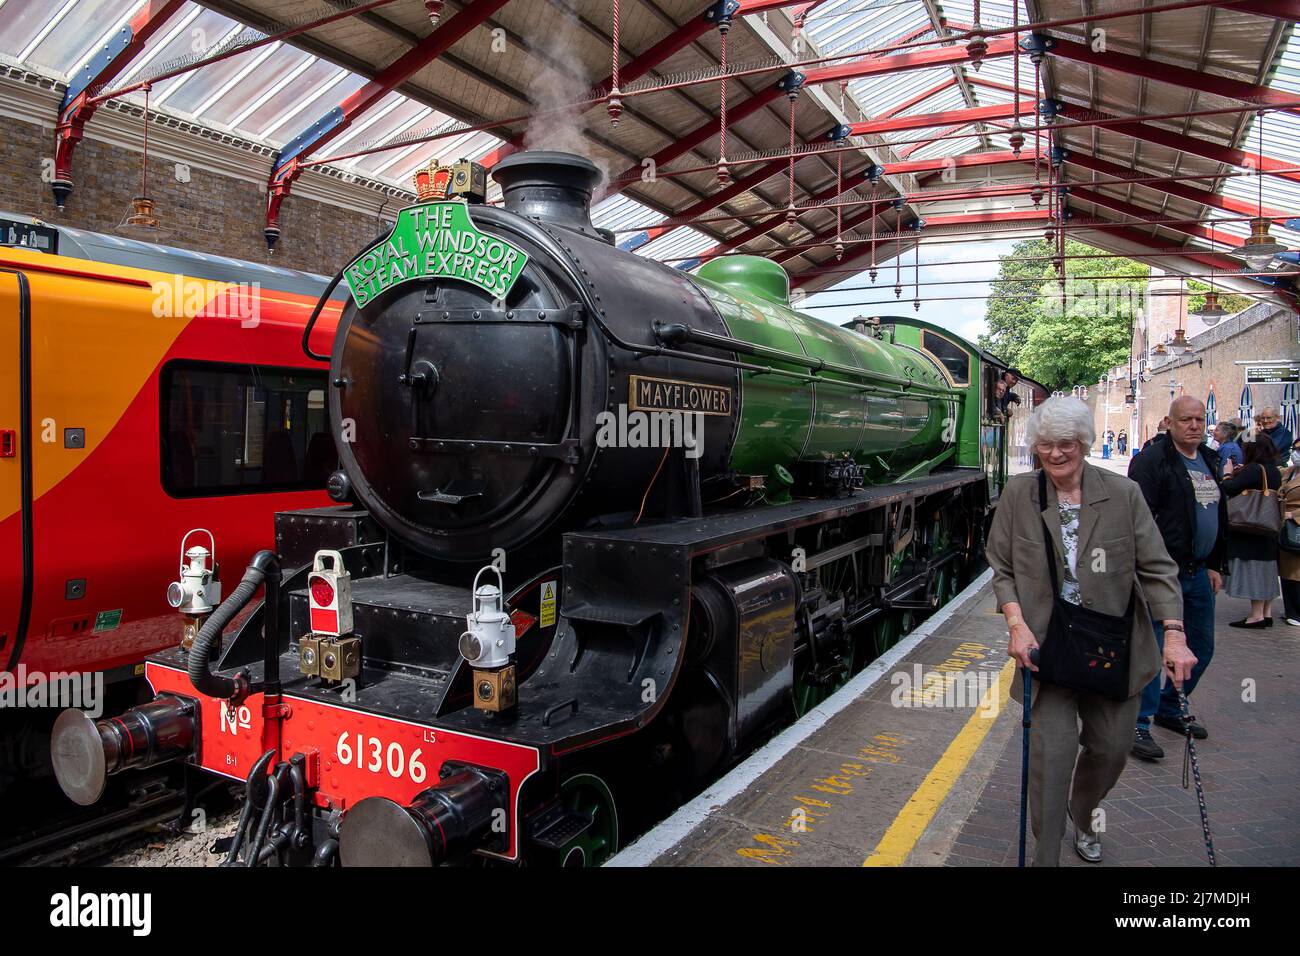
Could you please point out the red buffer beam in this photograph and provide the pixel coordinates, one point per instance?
(287, 164)
(77, 107)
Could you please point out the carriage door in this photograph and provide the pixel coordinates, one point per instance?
(15, 465)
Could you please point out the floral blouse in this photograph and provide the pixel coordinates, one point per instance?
(1070, 539)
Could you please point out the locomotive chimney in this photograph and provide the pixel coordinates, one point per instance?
(549, 186)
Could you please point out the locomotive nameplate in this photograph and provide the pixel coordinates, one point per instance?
(647, 394)
(436, 241)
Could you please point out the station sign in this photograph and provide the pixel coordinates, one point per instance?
(1272, 374)
(436, 240)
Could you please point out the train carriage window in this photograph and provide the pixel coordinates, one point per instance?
(242, 429)
(953, 357)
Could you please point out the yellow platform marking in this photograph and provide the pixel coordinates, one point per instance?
(924, 803)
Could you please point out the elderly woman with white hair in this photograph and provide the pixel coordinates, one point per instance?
(1084, 626)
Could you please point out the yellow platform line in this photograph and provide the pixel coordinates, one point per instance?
(924, 803)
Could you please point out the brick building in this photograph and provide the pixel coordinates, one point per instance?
(1213, 369)
(209, 185)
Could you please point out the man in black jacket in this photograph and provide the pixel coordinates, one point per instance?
(1179, 478)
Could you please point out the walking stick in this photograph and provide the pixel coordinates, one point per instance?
(1189, 756)
(1024, 755)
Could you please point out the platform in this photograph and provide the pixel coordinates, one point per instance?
(884, 773)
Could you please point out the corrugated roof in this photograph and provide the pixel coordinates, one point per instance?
(271, 93)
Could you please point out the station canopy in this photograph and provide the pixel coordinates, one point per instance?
(1156, 116)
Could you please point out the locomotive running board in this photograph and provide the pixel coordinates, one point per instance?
(714, 532)
(623, 616)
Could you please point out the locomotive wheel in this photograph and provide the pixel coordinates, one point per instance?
(807, 696)
(884, 633)
(945, 583)
(588, 795)
(945, 586)
(890, 628)
(904, 620)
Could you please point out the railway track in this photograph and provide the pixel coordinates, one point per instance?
(54, 832)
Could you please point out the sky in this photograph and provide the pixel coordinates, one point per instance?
(964, 317)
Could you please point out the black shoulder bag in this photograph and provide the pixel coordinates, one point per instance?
(1084, 650)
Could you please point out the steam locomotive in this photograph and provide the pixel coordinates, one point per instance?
(693, 512)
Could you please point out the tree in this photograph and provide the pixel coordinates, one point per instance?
(1070, 340)
(1010, 311)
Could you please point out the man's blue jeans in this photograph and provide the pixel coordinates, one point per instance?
(1198, 619)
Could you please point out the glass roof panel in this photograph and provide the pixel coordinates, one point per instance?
(70, 40)
(677, 245)
(1281, 142)
(312, 106)
(176, 42)
(404, 115)
(273, 93)
(270, 71)
(467, 146)
(203, 84)
(314, 79)
(22, 21)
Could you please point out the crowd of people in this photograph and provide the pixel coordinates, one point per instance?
(1143, 557)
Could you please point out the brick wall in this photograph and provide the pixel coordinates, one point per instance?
(1166, 310)
(210, 213)
(1264, 332)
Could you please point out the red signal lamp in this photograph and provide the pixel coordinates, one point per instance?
(322, 592)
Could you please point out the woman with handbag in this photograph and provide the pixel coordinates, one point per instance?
(1288, 555)
(1254, 520)
(1089, 618)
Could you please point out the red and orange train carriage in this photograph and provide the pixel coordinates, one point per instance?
(144, 392)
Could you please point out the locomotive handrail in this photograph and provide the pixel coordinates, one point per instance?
(325, 297)
(669, 332)
(536, 234)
